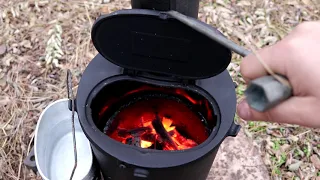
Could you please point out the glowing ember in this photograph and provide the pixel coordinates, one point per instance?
(179, 141)
(145, 144)
(158, 123)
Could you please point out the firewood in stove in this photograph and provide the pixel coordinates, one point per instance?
(149, 137)
(129, 140)
(171, 133)
(131, 132)
(161, 131)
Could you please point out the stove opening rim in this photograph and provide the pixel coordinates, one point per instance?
(214, 138)
(100, 86)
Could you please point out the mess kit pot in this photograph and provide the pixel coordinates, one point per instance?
(53, 148)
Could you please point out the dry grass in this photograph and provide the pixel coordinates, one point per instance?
(33, 70)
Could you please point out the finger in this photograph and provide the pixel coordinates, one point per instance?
(274, 56)
(296, 110)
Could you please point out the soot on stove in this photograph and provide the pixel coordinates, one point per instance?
(154, 117)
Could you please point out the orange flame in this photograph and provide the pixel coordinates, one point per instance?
(179, 140)
(145, 144)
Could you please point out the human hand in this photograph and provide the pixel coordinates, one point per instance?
(297, 58)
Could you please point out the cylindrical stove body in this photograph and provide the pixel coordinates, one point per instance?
(150, 47)
(113, 168)
(119, 161)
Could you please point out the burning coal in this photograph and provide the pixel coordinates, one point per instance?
(156, 131)
(158, 123)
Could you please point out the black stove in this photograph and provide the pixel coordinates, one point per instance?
(157, 101)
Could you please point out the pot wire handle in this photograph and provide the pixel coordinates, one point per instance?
(71, 98)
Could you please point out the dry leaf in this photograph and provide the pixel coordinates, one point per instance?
(4, 101)
(6, 126)
(244, 3)
(104, 10)
(315, 160)
(294, 166)
(26, 44)
(3, 82)
(289, 160)
(288, 175)
(307, 2)
(285, 147)
(16, 51)
(3, 49)
(315, 149)
(292, 2)
(7, 59)
(273, 132)
(293, 138)
(221, 2)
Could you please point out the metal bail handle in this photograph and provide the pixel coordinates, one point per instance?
(72, 100)
(262, 93)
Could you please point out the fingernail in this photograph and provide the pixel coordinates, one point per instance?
(243, 110)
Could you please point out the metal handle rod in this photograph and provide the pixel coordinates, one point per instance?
(71, 98)
(209, 32)
(262, 93)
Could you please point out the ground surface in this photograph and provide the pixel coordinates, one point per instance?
(40, 39)
(238, 159)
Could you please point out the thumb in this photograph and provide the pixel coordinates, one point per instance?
(296, 110)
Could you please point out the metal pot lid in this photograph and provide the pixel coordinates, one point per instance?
(148, 41)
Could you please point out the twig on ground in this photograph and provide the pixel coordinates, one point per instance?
(306, 132)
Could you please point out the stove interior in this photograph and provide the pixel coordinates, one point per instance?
(153, 117)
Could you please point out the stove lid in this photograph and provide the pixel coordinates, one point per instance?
(146, 40)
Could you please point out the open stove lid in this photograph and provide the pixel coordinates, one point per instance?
(146, 40)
